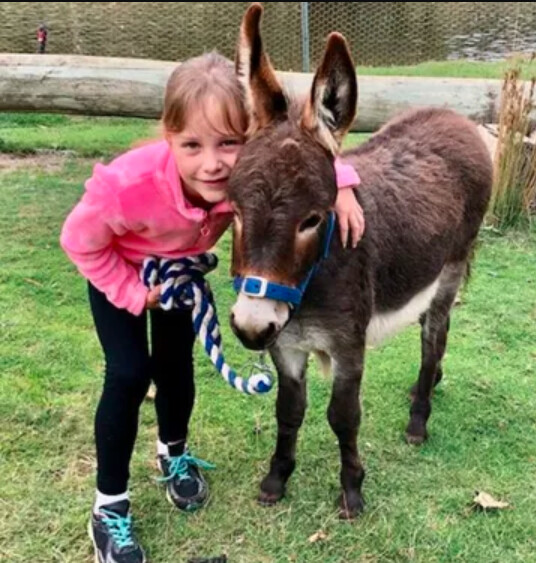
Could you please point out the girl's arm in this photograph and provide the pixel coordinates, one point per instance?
(349, 212)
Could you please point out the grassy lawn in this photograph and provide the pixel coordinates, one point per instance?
(85, 136)
(482, 429)
(454, 69)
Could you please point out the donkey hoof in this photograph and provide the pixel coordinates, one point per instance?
(415, 439)
(346, 514)
(350, 506)
(272, 490)
(416, 433)
(268, 499)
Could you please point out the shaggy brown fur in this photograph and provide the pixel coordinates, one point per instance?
(426, 182)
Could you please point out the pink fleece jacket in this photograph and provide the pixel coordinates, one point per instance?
(134, 207)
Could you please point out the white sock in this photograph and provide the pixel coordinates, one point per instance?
(102, 499)
(161, 448)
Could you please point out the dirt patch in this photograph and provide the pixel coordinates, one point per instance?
(48, 162)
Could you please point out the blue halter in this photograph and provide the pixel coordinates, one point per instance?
(255, 286)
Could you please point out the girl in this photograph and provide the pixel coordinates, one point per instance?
(167, 199)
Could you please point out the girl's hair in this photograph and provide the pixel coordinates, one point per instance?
(201, 83)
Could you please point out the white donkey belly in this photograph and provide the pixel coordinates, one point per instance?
(296, 339)
(385, 325)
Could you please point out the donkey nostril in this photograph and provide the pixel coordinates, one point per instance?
(269, 331)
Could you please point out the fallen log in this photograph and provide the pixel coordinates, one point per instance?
(134, 87)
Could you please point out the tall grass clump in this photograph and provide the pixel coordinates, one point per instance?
(514, 186)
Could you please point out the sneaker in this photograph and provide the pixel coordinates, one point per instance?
(112, 536)
(185, 486)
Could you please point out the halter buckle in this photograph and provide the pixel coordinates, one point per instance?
(259, 291)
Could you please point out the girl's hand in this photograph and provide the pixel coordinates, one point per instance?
(350, 216)
(153, 298)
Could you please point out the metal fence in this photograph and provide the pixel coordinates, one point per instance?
(380, 33)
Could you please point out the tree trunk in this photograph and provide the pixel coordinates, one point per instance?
(134, 87)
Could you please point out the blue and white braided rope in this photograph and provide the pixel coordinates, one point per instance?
(184, 287)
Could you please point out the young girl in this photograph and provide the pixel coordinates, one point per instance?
(166, 199)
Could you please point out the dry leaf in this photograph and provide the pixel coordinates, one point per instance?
(487, 502)
(319, 536)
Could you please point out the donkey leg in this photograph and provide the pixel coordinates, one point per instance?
(441, 343)
(441, 347)
(435, 325)
(344, 415)
(290, 410)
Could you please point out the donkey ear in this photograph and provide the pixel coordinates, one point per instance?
(331, 107)
(265, 100)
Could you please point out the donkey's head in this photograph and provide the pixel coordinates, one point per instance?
(283, 185)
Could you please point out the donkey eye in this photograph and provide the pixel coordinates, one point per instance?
(310, 223)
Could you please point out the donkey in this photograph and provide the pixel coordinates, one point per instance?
(426, 183)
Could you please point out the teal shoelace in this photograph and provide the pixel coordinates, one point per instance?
(179, 465)
(120, 528)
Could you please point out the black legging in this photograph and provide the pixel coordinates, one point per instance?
(129, 370)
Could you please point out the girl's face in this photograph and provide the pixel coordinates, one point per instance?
(205, 153)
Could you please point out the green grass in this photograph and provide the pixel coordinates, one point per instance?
(482, 429)
(85, 136)
(452, 69)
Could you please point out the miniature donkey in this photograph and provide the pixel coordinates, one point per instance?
(426, 181)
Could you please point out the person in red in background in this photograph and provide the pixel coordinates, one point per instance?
(42, 34)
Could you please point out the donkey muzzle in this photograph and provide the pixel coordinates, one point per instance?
(258, 322)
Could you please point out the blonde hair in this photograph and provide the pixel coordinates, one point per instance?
(199, 84)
